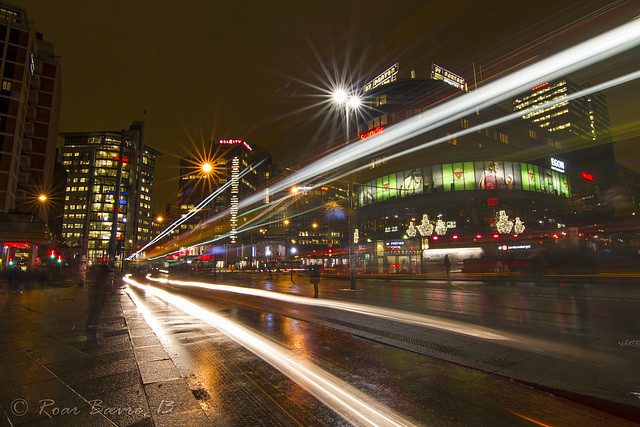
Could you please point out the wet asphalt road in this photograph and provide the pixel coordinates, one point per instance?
(236, 387)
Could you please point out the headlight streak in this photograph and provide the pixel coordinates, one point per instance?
(560, 64)
(584, 92)
(602, 86)
(369, 310)
(196, 209)
(344, 399)
(511, 339)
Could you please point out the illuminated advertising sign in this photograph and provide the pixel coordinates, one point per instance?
(234, 142)
(439, 73)
(387, 76)
(557, 165)
(16, 245)
(372, 132)
(235, 172)
(588, 176)
(461, 176)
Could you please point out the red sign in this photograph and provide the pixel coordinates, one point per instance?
(372, 132)
(234, 142)
(16, 245)
(588, 176)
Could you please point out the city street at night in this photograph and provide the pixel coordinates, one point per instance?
(319, 213)
(258, 350)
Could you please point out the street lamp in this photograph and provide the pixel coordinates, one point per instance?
(351, 101)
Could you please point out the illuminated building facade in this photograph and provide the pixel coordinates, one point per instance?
(30, 95)
(461, 196)
(582, 124)
(110, 178)
(585, 119)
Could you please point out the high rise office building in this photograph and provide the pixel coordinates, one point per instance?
(109, 186)
(582, 120)
(30, 95)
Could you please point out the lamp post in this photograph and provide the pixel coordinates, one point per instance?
(350, 101)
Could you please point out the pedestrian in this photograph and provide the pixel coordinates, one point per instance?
(447, 264)
(314, 277)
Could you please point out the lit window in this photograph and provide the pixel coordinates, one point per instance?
(6, 85)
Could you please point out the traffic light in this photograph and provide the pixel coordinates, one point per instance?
(53, 253)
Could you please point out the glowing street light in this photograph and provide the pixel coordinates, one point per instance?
(159, 219)
(42, 198)
(207, 167)
(351, 101)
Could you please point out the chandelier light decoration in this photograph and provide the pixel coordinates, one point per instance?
(441, 227)
(411, 231)
(518, 227)
(356, 236)
(425, 228)
(503, 224)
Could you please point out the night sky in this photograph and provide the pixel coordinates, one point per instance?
(202, 70)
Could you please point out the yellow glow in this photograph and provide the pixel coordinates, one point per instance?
(159, 219)
(42, 198)
(286, 222)
(207, 168)
(314, 225)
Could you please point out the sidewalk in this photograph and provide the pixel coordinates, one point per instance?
(57, 369)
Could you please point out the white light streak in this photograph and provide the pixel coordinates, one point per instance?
(347, 401)
(563, 63)
(368, 310)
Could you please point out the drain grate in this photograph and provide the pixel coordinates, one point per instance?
(630, 343)
(467, 354)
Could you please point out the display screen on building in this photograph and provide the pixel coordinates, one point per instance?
(439, 73)
(479, 175)
(387, 76)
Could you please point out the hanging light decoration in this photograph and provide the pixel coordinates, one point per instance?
(518, 227)
(411, 231)
(441, 227)
(425, 228)
(356, 236)
(503, 224)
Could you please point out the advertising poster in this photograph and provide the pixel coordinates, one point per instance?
(530, 177)
(411, 182)
(458, 176)
(509, 176)
(436, 173)
(565, 188)
(491, 176)
(447, 176)
(387, 187)
(469, 176)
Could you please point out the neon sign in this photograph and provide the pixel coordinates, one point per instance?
(387, 76)
(234, 142)
(557, 165)
(372, 132)
(588, 176)
(539, 86)
(16, 245)
(439, 73)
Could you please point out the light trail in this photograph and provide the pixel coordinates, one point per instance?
(558, 65)
(368, 310)
(195, 210)
(505, 338)
(555, 66)
(344, 399)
